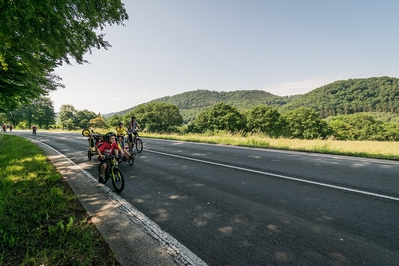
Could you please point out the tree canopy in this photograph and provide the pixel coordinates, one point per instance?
(70, 118)
(157, 117)
(264, 119)
(37, 36)
(305, 123)
(39, 111)
(220, 117)
(362, 126)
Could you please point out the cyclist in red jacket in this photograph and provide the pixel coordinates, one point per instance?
(108, 147)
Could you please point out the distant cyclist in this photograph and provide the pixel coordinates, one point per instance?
(133, 126)
(34, 130)
(120, 132)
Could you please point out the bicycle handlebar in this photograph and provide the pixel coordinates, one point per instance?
(112, 156)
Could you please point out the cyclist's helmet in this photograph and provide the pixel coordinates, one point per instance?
(120, 123)
(109, 134)
(133, 117)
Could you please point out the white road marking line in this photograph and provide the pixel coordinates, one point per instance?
(280, 176)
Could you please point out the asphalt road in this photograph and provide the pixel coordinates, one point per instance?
(245, 206)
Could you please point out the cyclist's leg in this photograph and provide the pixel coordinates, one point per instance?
(102, 169)
(103, 166)
(130, 141)
(134, 138)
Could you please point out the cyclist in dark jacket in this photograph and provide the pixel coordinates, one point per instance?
(133, 126)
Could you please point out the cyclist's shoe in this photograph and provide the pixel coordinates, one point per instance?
(121, 158)
(101, 178)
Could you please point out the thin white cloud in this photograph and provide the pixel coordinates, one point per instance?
(301, 86)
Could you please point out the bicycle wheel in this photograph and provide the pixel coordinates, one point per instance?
(118, 182)
(85, 132)
(131, 158)
(139, 145)
(89, 155)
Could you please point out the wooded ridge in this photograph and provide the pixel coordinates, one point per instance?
(376, 94)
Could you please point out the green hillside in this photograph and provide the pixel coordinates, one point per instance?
(192, 102)
(240, 99)
(377, 94)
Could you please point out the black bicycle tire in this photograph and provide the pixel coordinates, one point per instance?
(117, 180)
(139, 147)
(85, 132)
(130, 160)
(89, 155)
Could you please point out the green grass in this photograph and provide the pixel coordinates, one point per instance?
(368, 149)
(42, 222)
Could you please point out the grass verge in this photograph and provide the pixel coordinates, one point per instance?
(42, 221)
(368, 149)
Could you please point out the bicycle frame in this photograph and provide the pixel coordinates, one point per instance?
(112, 171)
(110, 167)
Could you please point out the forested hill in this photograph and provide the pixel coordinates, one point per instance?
(192, 102)
(378, 94)
(241, 99)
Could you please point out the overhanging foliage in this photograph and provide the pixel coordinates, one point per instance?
(37, 36)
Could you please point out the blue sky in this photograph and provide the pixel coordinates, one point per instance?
(285, 47)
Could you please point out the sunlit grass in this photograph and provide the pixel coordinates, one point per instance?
(371, 149)
(42, 222)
